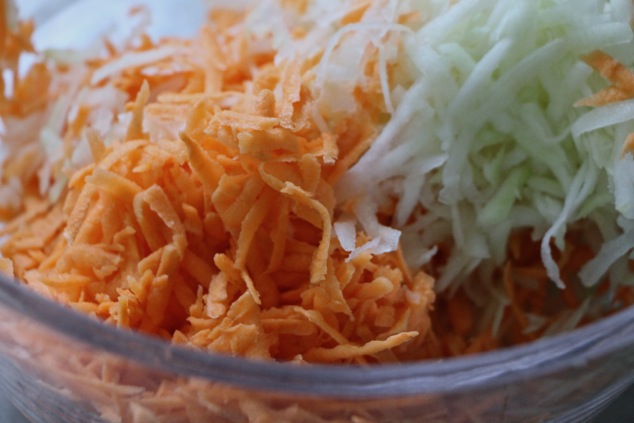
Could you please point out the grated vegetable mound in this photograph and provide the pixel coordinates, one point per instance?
(342, 182)
(192, 198)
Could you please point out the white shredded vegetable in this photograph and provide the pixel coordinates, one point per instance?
(486, 138)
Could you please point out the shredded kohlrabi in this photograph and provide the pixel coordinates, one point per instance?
(485, 138)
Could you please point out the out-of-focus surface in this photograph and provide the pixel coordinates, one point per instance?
(622, 410)
(8, 413)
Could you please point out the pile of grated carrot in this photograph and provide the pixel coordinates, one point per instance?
(207, 218)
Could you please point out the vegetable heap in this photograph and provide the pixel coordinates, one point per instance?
(216, 233)
(289, 183)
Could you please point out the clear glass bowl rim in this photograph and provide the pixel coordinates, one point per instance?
(447, 376)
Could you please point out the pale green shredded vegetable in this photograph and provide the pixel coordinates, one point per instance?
(485, 139)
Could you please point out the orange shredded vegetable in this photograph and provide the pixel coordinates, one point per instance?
(218, 234)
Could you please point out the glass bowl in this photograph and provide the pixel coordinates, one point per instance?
(61, 366)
